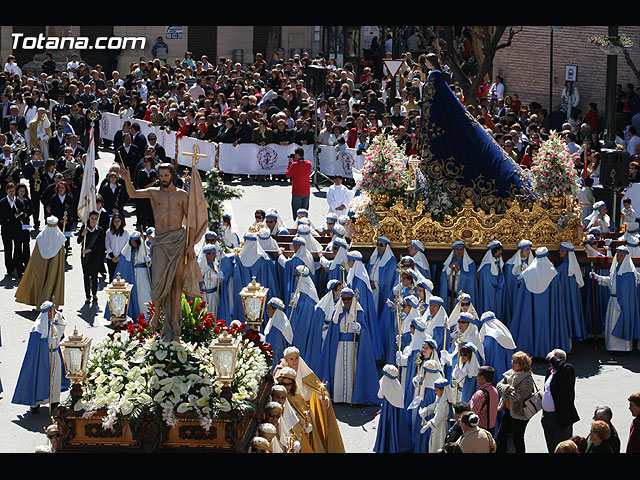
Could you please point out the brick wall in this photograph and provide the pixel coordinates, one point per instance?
(525, 64)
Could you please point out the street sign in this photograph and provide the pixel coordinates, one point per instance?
(571, 73)
(393, 66)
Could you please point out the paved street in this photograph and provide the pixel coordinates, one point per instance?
(603, 378)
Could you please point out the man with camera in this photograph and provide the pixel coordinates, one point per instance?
(299, 171)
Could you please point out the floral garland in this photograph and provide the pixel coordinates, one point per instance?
(133, 370)
(610, 41)
(216, 193)
(553, 171)
(385, 168)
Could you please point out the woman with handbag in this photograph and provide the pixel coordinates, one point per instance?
(516, 387)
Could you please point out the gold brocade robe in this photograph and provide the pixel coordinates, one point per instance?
(324, 418)
(311, 442)
(43, 280)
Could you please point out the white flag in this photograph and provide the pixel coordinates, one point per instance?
(87, 199)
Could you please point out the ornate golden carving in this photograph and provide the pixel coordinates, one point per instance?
(535, 221)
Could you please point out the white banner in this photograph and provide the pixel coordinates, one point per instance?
(186, 144)
(332, 163)
(243, 159)
(111, 123)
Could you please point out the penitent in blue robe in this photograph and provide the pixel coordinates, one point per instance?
(421, 440)
(511, 292)
(537, 326)
(278, 343)
(496, 356)
(491, 292)
(365, 388)
(627, 325)
(265, 272)
(287, 279)
(33, 382)
(388, 325)
(302, 325)
(225, 302)
(388, 278)
(394, 433)
(594, 296)
(126, 270)
(467, 282)
(370, 314)
(571, 305)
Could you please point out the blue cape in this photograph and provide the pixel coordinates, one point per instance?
(365, 391)
(265, 272)
(511, 293)
(304, 329)
(491, 292)
(370, 314)
(33, 382)
(126, 270)
(497, 356)
(571, 307)
(537, 326)
(628, 324)
(394, 432)
(225, 302)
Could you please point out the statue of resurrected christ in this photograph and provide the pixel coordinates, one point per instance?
(175, 268)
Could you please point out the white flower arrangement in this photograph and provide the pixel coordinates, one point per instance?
(435, 200)
(125, 374)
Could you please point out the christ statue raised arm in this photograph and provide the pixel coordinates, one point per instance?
(170, 249)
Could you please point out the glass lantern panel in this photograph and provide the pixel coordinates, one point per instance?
(253, 304)
(74, 360)
(224, 362)
(118, 304)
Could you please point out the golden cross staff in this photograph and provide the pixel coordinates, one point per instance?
(194, 156)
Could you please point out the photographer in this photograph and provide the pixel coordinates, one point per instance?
(299, 171)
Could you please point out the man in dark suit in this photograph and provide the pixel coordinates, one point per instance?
(60, 109)
(11, 212)
(243, 130)
(128, 153)
(5, 103)
(117, 137)
(113, 193)
(57, 140)
(20, 120)
(160, 152)
(558, 408)
(78, 122)
(33, 171)
(137, 137)
(77, 150)
(144, 213)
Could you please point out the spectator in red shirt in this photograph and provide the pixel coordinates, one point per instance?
(299, 171)
(484, 401)
(591, 116)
